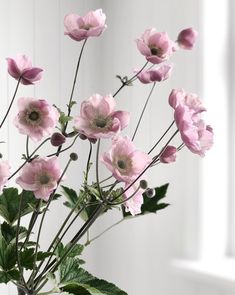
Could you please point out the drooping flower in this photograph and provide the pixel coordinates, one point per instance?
(80, 28)
(155, 46)
(4, 173)
(187, 38)
(133, 205)
(98, 119)
(155, 75)
(40, 176)
(21, 68)
(124, 161)
(196, 135)
(36, 117)
(168, 155)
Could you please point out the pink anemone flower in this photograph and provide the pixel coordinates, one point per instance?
(155, 75)
(21, 68)
(124, 161)
(40, 176)
(98, 119)
(90, 25)
(36, 118)
(133, 205)
(155, 46)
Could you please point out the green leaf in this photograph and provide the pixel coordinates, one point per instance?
(76, 250)
(7, 254)
(27, 257)
(76, 280)
(6, 276)
(152, 205)
(9, 232)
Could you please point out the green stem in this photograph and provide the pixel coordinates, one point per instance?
(97, 170)
(27, 147)
(142, 113)
(12, 100)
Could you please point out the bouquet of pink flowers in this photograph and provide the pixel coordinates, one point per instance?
(40, 176)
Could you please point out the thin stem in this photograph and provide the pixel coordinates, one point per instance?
(30, 157)
(126, 199)
(97, 170)
(17, 243)
(142, 113)
(103, 232)
(130, 80)
(12, 100)
(27, 147)
(88, 164)
(160, 139)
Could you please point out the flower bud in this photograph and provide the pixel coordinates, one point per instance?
(168, 155)
(73, 156)
(143, 184)
(92, 140)
(82, 136)
(150, 193)
(187, 38)
(57, 139)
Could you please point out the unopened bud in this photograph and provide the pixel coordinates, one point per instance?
(82, 136)
(149, 193)
(92, 140)
(73, 156)
(57, 139)
(143, 184)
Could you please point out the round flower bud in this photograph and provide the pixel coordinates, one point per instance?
(150, 193)
(143, 184)
(1, 156)
(92, 140)
(82, 136)
(73, 156)
(57, 139)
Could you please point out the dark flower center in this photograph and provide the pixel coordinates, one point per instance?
(156, 51)
(121, 164)
(34, 116)
(44, 179)
(100, 122)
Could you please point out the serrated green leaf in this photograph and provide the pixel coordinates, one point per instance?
(27, 257)
(9, 232)
(79, 281)
(7, 276)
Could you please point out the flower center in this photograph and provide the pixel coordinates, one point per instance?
(86, 27)
(34, 116)
(44, 179)
(100, 122)
(156, 51)
(121, 164)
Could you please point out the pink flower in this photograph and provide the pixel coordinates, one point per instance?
(196, 135)
(40, 176)
(187, 38)
(133, 205)
(4, 173)
(21, 68)
(155, 46)
(155, 75)
(98, 119)
(168, 155)
(124, 160)
(36, 118)
(80, 28)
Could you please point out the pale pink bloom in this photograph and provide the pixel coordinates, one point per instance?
(4, 173)
(80, 28)
(40, 176)
(36, 118)
(196, 135)
(154, 75)
(98, 119)
(187, 38)
(168, 155)
(124, 160)
(133, 205)
(155, 46)
(21, 68)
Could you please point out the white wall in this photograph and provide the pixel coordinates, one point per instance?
(136, 255)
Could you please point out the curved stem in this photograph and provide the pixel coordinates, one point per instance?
(130, 80)
(65, 149)
(11, 103)
(97, 169)
(160, 139)
(142, 113)
(30, 157)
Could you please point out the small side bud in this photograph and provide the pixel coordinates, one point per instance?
(143, 184)
(92, 140)
(57, 139)
(73, 156)
(150, 193)
(82, 136)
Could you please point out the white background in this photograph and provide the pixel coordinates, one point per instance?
(138, 254)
